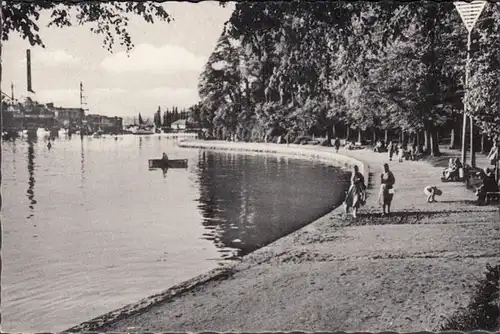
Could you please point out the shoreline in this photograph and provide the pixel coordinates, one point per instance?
(321, 153)
(292, 150)
(321, 242)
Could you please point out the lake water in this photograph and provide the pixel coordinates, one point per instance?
(88, 228)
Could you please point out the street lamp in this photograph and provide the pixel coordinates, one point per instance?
(469, 12)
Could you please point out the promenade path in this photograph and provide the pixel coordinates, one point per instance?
(401, 273)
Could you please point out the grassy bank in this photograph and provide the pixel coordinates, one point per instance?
(483, 311)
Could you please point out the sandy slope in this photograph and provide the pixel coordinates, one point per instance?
(403, 273)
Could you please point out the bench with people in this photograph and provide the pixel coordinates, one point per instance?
(455, 172)
(380, 147)
(488, 190)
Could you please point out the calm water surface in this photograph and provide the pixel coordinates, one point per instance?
(88, 228)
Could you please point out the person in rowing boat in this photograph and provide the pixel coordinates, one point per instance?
(165, 157)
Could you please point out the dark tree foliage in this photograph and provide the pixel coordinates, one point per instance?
(369, 66)
(106, 18)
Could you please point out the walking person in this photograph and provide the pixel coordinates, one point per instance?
(386, 190)
(411, 151)
(356, 195)
(336, 144)
(401, 153)
(390, 149)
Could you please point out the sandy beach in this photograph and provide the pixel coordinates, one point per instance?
(406, 272)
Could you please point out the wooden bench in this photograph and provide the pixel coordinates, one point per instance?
(492, 197)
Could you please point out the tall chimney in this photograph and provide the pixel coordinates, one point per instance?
(28, 63)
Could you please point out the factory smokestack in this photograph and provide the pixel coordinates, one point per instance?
(28, 63)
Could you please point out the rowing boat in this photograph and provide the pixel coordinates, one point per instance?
(162, 163)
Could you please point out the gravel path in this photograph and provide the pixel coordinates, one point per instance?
(401, 273)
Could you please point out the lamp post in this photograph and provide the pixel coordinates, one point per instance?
(469, 12)
(1, 139)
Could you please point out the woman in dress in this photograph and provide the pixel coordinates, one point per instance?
(401, 152)
(386, 193)
(390, 150)
(356, 194)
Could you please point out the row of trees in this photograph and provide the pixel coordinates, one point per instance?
(334, 67)
(169, 116)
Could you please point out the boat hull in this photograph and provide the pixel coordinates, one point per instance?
(143, 133)
(160, 163)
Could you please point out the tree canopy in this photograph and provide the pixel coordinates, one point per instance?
(106, 18)
(368, 66)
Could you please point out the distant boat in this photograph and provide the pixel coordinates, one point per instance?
(142, 129)
(167, 163)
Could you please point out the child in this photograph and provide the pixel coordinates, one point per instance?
(401, 153)
(431, 192)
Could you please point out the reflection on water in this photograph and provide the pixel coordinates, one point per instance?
(31, 171)
(82, 163)
(248, 201)
(107, 231)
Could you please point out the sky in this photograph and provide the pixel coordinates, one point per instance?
(162, 70)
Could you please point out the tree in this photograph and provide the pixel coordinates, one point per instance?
(220, 86)
(166, 118)
(393, 66)
(484, 82)
(157, 118)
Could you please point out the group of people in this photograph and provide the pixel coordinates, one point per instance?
(411, 151)
(453, 170)
(356, 195)
(489, 185)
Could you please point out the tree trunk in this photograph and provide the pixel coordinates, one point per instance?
(434, 142)
(329, 133)
(386, 136)
(374, 136)
(359, 136)
(455, 133)
(472, 145)
(464, 139)
(483, 146)
(452, 138)
(348, 134)
(402, 138)
(427, 141)
(417, 138)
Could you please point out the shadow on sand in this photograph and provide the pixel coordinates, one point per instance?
(466, 202)
(399, 217)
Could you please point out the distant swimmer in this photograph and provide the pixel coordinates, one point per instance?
(49, 145)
